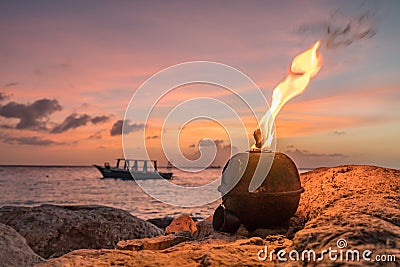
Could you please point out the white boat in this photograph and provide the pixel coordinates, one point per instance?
(133, 168)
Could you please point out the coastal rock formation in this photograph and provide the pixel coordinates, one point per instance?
(356, 205)
(359, 205)
(52, 231)
(13, 249)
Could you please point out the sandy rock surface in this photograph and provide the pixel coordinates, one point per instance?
(213, 252)
(155, 243)
(358, 204)
(13, 249)
(52, 231)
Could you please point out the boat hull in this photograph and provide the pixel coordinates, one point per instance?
(126, 175)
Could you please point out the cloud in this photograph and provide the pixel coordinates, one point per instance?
(35, 116)
(99, 119)
(71, 122)
(38, 71)
(29, 140)
(75, 120)
(3, 96)
(340, 31)
(339, 132)
(31, 116)
(95, 136)
(11, 84)
(64, 65)
(309, 159)
(306, 153)
(208, 142)
(223, 150)
(152, 137)
(116, 129)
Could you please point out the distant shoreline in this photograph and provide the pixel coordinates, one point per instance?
(46, 166)
(86, 166)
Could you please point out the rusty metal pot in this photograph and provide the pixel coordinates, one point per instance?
(272, 204)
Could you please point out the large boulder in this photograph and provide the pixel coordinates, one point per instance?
(13, 249)
(351, 208)
(52, 231)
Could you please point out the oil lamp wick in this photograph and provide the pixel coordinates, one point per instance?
(258, 138)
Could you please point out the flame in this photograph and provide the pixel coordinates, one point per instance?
(304, 67)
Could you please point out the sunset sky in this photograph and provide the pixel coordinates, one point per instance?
(68, 70)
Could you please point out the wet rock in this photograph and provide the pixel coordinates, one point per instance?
(52, 231)
(183, 223)
(13, 249)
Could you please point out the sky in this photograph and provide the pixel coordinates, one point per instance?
(69, 69)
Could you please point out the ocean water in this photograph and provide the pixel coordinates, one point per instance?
(32, 186)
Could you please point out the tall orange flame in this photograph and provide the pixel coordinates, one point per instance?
(304, 66)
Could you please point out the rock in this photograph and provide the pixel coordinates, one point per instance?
(204, 229)
(196, 218)
(253, 240)
(217, 252)
(209, 218)
(163, 242)
(360, 204)
(183, 223)
(133, 245)
(156, 243)
(13, 249)
(52, 231)
(264, 233)
(161, 222)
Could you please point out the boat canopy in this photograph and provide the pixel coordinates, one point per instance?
(137, 165)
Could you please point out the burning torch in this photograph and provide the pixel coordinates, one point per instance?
(272, 200)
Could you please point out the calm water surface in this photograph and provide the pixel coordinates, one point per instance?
(32, 186)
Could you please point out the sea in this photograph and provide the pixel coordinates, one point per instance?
(83, 185)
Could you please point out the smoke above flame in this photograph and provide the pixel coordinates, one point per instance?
(304, 67)
(342, 31)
